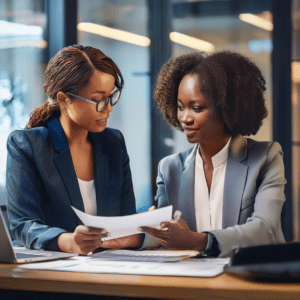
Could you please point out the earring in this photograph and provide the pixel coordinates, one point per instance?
(66, 114)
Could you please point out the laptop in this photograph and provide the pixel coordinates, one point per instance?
(9, 255)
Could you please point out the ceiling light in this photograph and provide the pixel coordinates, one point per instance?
(115, 34)
(296, 71)
(191, 42)
(257, 21)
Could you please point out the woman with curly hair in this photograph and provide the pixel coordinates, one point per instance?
(67, 157)
(229, 188)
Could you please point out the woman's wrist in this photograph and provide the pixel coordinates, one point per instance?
(201, 240)
(65, 242)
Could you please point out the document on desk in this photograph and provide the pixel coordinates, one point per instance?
(126, 225)
(157, 255)
(192, 267)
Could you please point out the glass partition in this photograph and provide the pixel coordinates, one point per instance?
(22, 42)
(240, 26)
(296, 115)
(119, 29)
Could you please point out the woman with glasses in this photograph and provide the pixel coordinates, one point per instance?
(67, 157)
(229, 188)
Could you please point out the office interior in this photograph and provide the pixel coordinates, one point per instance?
(140, 36)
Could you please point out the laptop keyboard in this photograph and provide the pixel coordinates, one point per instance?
(21, 255)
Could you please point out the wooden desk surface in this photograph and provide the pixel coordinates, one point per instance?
(160, 287)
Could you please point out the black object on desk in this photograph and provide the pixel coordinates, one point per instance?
(270, 263)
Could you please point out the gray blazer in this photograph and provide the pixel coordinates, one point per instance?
(253, 192)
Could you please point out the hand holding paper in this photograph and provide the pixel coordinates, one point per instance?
(177, 235)
(82, 241)
(126, 225)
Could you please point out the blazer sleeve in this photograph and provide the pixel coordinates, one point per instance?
(24, 195)
(159, 201)
(128, 198)
(264, 225)
(161, 198)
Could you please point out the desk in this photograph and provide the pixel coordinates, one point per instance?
(84, 285)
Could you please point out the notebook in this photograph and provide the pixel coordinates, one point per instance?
(9, 255)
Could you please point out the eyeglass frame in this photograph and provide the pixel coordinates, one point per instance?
(109, 98)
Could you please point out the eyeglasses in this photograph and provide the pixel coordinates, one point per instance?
(101, 104)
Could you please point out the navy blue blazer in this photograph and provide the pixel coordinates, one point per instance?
(41, 184)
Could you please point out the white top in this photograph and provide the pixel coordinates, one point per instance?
(88, 193)
(209, 205)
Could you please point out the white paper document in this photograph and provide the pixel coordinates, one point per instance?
(126, 225)
(160, 255)
(193, 267)
(155, 252)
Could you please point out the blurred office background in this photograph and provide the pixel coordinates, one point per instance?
(268, 32)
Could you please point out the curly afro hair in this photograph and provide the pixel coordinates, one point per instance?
(231, 82)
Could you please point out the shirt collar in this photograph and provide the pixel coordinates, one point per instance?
(219, 158)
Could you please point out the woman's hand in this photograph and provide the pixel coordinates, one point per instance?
(153, 207)
(131, 241)
(82, 241)
(177, 235)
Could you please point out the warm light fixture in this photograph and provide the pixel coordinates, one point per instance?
(296, 71)
(257, 21)
(191, 42)
(22, 42)
(115, 34)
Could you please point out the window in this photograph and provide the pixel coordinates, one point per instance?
(22, 44)
(240, 26)
(296, 115)
(99, 25)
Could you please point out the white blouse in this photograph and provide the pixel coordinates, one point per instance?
(209, 205)
(88, 193)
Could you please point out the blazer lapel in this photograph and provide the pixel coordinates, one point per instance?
(186, 191)
(235, 179)
(101, 173)
(64, 163)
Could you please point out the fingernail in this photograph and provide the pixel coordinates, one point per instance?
(162, 225)
(139, 229)
(104, 231)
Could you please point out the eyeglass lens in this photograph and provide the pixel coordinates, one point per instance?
(114, 97)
